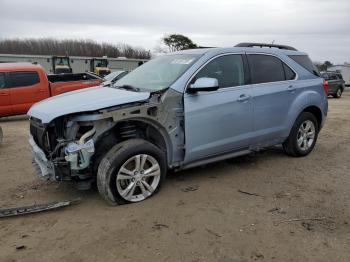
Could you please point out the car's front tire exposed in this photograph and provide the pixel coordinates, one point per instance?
(131, 171)
(303, 136)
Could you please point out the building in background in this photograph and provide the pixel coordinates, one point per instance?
(79, 64)
(344, 70)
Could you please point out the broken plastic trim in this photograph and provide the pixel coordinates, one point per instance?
(36, 208)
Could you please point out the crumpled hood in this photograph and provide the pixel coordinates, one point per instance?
(88, 99)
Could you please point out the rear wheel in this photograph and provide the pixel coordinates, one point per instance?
(338, 93)
(303, 136)
(131, 171)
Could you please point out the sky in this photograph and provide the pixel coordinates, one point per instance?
(319, 27)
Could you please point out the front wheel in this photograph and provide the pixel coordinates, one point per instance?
(131, 171)
(303, 136)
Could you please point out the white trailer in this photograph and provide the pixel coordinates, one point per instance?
(79, 64)
(344, 70)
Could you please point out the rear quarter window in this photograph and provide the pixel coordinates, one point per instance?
(290, 74)
(305, 62)
(20, 79)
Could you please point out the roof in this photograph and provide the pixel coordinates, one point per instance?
(18, 66)
(329, 72)
(218, 50)
(345, 65)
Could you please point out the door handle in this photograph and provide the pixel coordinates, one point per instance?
(291, 89)
(243, 98)
(4, 94)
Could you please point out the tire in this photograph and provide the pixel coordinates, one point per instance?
(300, 142)
(338, 93)
(120, 181)
(1, 135)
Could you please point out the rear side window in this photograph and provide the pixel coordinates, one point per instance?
(305, 62)
(19, 79)
(2, 80)
(265, 68)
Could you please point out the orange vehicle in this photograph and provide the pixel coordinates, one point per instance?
(23, 84)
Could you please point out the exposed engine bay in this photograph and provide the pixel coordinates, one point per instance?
(70, 147)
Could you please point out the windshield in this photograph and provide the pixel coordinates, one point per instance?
(158, 73)
(100, 63)
(61, 61)
(112, 75)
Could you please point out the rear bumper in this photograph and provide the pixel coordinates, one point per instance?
(43, 167)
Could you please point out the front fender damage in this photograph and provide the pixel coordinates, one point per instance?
(73, 153)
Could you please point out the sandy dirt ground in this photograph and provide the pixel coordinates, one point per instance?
(199, 215)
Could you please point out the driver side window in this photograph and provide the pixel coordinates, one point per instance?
(228, 70)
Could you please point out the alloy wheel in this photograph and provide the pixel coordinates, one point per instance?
(138, 177)
(306, 135)
(339, 92)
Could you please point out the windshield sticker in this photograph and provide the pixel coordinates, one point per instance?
(182, 61)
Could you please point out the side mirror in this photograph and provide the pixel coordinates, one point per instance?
(204, 84)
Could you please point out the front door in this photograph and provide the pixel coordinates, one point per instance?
(219, 121)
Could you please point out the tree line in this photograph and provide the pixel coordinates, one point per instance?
(48, 46)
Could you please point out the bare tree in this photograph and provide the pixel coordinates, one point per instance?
(49, 46)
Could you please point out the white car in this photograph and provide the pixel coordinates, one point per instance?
(113, 77)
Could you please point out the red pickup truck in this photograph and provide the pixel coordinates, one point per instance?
(23, 84)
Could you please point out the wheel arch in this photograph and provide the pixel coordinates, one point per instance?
(130, 128)
(316, 111)
(312, 101)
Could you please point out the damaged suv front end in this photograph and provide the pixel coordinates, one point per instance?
(71, 133)
(61, 150)
(64, 147)
(63, 132)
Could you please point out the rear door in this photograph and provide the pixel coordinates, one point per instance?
(273, 89)
(26, 88)
(5, 102)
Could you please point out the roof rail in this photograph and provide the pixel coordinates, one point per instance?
(285, 47)
(199, 47)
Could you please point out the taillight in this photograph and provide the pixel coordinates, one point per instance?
(325, 87)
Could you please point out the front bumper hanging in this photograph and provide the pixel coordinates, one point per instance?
(44, 168)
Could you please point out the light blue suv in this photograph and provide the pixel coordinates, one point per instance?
(178, 111)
